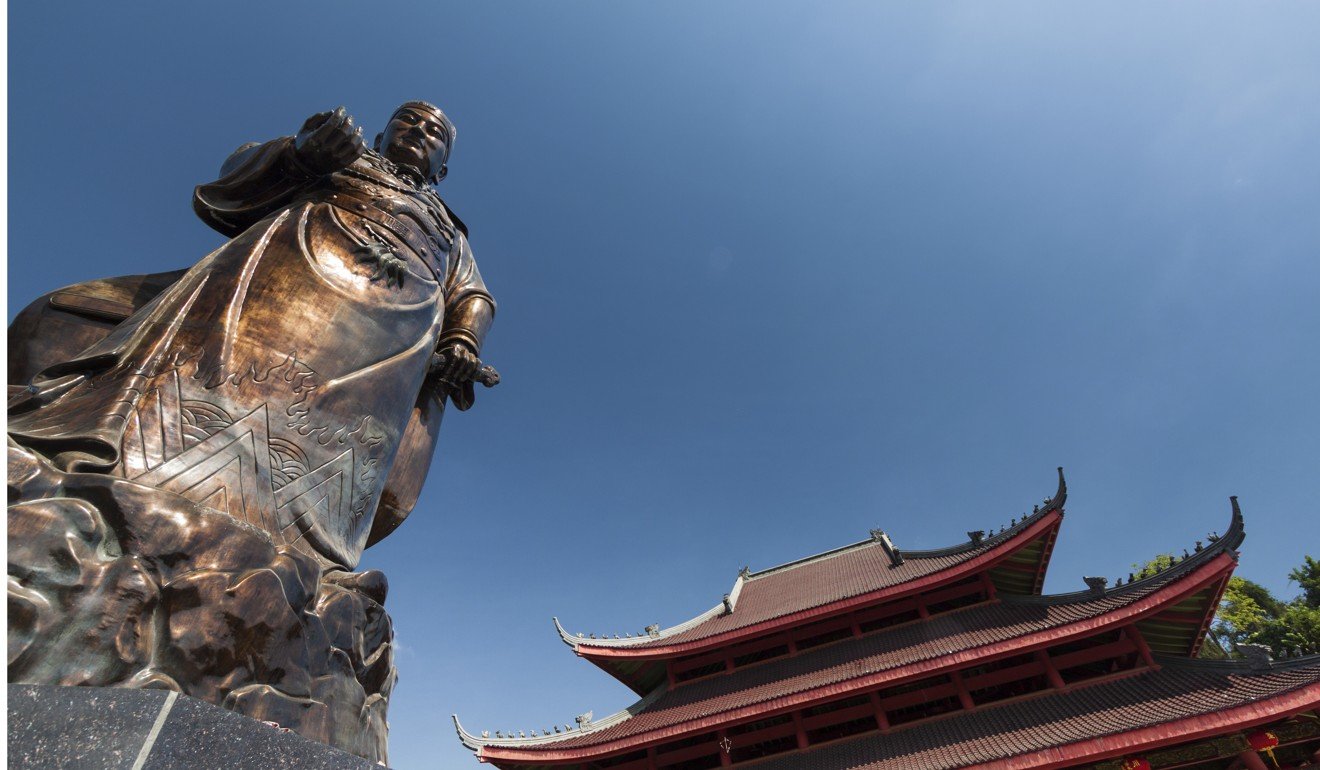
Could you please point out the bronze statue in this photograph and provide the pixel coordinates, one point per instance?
(199, 458)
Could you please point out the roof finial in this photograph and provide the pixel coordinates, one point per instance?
(745, 572)
(728, 605)
(1097, 585)
(887, 545)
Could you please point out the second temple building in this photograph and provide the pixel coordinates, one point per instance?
(869, 657)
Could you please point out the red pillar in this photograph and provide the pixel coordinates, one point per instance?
(881, 719)
(922, 612)
(1252, 761)
(728, 663)
(856, 629)
(650, 758)
(964, 697)
(1132, 633)
(1052, 673)
(669, 671)
(801, 731)
(988, 584)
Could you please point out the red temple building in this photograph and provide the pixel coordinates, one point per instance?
(872, 657)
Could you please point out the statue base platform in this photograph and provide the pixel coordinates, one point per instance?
(99, 728)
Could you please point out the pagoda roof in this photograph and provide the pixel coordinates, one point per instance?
(978, 633)
(816, 585)
(1182, 700)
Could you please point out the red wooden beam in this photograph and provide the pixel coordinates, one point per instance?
(1131, 632)
(1044, 563)
(802, 741)
(881, 718)
(1092, 654)
(1051, 673)
(1006, 675)
(817, 721)
(1210, 615)
(964, 697)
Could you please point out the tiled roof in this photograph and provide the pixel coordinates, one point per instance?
(820, 580)
(1181, 689)
(953, 632)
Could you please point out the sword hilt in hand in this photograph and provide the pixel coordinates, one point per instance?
(486, 374)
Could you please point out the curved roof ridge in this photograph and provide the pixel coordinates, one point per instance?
(587, 727)
(1050, 504)
(1054, 503)
(1228, 542)
(573, 640)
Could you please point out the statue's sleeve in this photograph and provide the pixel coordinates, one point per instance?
(255, 181)
(464, 280)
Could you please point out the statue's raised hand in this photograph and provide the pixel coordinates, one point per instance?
(328, 141)
(383, 259)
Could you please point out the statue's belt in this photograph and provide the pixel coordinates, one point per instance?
(364, 207)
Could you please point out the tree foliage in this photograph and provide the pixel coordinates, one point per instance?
(1249, 614)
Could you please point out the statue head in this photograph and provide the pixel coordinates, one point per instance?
(418, 136)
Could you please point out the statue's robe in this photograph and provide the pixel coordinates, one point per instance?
(276, 380)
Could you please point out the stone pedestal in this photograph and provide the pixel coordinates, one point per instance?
(104, 728)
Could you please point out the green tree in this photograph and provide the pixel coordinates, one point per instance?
(1245, 611)
(1308, 577)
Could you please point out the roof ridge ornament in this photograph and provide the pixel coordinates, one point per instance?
(1258, 656)
(887, 545)
(1097, 585)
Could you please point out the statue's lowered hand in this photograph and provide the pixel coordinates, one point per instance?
(328, 141)
(455, 368)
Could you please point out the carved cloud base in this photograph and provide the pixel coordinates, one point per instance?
(113, 583)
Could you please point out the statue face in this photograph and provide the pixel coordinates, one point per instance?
(416, 138)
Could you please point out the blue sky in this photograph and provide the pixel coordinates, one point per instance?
(770, 275)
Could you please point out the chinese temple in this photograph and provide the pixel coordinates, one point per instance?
(872, 657)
